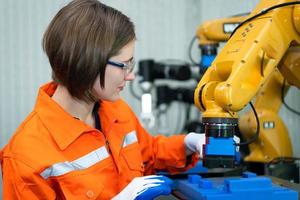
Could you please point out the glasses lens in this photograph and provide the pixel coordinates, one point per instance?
(127, 67)
(130, 66)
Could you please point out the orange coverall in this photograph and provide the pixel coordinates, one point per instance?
(52, 155)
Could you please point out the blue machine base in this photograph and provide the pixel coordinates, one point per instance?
(247, 187)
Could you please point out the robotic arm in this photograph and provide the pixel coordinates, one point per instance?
(210, 33)
(262, 44)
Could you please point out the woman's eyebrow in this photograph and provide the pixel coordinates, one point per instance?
(128, 60)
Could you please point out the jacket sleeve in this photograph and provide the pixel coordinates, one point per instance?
(20, 182)
(163, 153)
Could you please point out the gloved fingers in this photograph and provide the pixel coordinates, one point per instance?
(146, 187)
(139, 189)
(195, 141)
(236, 140)
(166, 180)
(147, 179)
(146, 183)
(154, 191)
(152, 180)
(149, 176)
(159, 179)
(139, 185)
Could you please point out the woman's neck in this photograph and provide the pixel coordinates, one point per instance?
(77, 108)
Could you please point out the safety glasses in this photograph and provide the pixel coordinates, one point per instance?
(127, 67)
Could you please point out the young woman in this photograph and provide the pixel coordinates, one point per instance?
(81, 140)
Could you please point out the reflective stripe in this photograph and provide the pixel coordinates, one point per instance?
(81, 163)
(130, 138)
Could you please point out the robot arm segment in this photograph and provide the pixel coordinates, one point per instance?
(246, 61)
(218, 30)
(263, 42)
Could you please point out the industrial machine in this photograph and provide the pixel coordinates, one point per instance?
(210, 34)
(149, 71)
(261, 52)
(259, 61)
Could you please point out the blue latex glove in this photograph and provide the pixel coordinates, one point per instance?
(146, 188)
(164, 188)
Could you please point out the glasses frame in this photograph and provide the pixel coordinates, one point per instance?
(127, 67)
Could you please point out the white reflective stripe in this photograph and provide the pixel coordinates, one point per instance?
(130, 138)
(81, 163)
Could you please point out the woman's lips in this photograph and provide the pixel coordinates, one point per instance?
(121, 87)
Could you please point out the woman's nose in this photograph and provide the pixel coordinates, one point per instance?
(130, 76)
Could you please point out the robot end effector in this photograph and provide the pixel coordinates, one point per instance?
(259, 44)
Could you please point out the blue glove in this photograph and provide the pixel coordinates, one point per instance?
(163, 188)
(146, 188)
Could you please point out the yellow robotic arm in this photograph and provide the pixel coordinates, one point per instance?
(211, 33)
(218, 30)
(262, 46)
(273, 139)
(247, 60)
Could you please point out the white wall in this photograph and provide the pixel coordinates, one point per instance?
(164, 30)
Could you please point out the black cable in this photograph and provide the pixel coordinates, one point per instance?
(286, 159)
(283, 100)
(190, 51)
(264, 12)
(256, 116)
(257, 129)
(281, 159)
(262, 62)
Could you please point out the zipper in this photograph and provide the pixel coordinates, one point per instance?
(107, 145)
(98, 125)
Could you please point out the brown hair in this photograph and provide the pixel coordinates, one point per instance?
(79, 41)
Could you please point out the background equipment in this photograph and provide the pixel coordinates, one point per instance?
(260, 54)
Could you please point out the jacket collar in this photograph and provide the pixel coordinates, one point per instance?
(113, 111)
(63, 127)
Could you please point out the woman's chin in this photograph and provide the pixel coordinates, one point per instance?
(113, 98)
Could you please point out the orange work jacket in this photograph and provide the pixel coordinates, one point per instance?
(52, 155)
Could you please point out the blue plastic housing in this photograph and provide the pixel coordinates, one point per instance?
(247, 187)
(220, 146)
(206, 61)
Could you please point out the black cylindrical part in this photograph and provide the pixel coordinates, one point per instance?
(173, 71)
(209, 49)
(146, 70)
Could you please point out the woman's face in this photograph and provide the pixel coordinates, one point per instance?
(115, 77)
